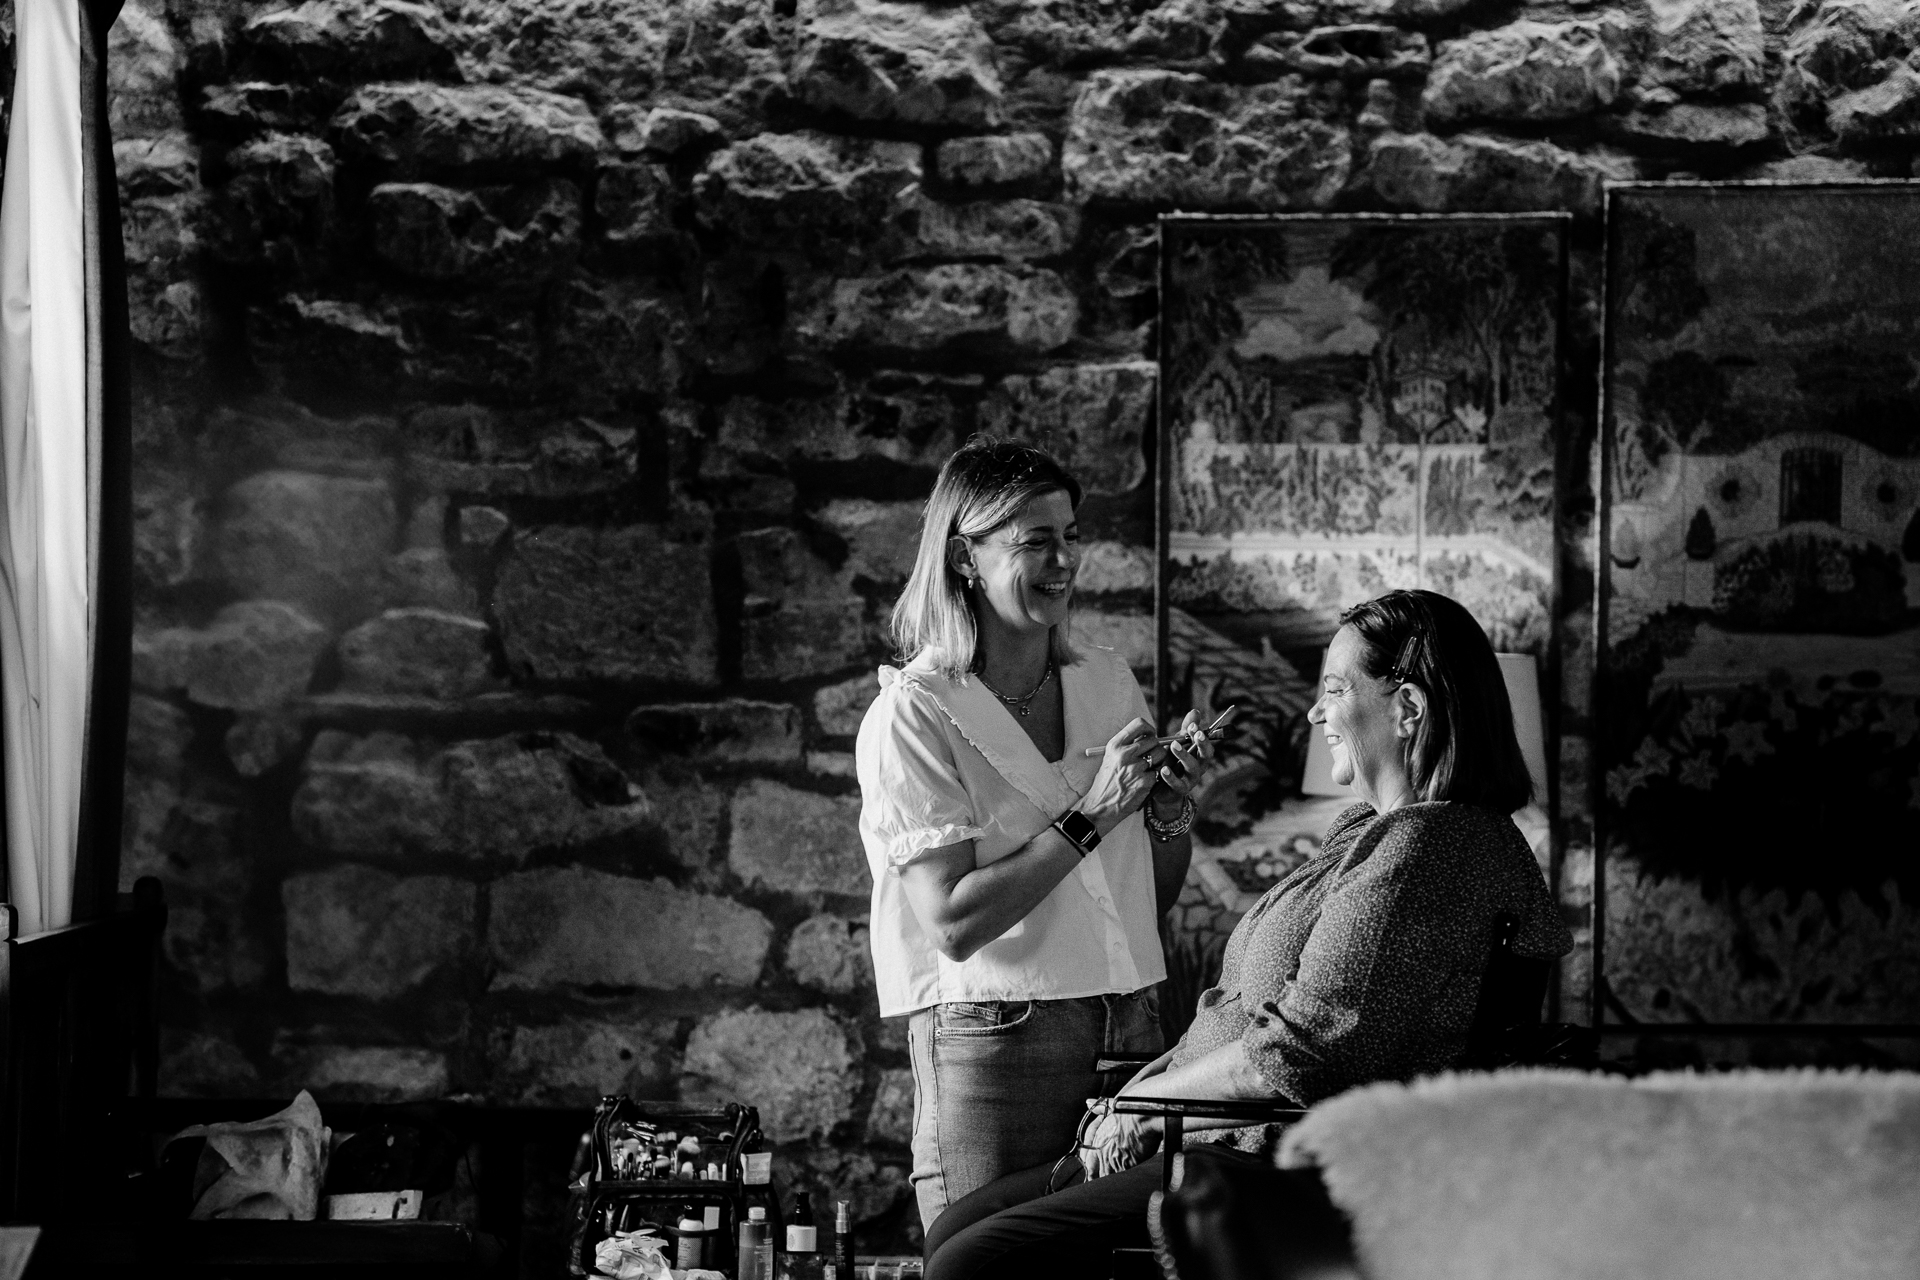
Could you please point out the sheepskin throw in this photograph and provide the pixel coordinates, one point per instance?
(1793, 1175)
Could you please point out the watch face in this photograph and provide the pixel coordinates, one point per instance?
(1079, 828)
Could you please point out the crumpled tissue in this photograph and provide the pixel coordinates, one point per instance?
(632, 1255)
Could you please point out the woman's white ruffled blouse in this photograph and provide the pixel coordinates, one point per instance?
(942, 761)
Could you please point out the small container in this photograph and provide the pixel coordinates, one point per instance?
(756, 1246)
(756, 1168)
(692, 1248)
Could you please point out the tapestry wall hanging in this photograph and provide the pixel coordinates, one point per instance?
(1759, 740)
(1348, 404)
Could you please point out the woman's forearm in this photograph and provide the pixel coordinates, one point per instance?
(1225, 1073)
(964, 907)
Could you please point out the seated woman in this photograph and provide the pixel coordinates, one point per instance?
(1362, 965)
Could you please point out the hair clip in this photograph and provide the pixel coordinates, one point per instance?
(1403, 665)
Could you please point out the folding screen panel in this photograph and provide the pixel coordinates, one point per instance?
(1760, 606)
(1348, 405)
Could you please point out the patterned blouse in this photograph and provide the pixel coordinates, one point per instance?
(1365, 964)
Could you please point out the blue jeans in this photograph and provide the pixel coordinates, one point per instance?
(1000, 1085)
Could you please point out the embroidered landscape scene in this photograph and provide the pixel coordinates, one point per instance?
(1760, 648)
(1348, 405)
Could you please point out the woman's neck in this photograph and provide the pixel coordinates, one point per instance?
(1013, 661)
(1387, 792)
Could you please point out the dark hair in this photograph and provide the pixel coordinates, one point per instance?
(981, 487)
(1464, 749)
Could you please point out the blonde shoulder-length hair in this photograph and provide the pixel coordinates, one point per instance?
(981, 487)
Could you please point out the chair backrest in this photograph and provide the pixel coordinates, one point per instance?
(78, 1033)
(1512, 990)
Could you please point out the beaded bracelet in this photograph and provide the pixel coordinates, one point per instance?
(1164, 831)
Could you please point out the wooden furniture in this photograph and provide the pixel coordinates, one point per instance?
(78, 1035)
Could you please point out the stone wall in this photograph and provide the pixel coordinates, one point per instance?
(532, 405)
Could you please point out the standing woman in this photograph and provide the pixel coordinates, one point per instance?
(1017, 882)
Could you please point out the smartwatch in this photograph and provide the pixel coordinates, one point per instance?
(1078, 828)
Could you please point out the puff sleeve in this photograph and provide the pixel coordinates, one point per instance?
(911, 797)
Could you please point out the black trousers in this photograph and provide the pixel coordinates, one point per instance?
(1011, 1229)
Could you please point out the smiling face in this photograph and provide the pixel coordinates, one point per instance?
(1025, 568)
(1364, 720)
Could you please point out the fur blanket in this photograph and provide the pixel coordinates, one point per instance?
(1794, 1175)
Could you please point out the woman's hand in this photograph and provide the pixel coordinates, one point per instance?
(1125, 779)
(1190, 758)
(1115, 1143)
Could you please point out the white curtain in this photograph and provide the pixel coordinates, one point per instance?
(45, 606)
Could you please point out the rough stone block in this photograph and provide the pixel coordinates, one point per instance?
(798, 841)
(1705, 46)
(782, 188)
(257, 654)
(573, 1064)
(888, 62)
(1470, 172)
(637, 203)
(209, 942)
(514, 235)
(994, 160)
(840, 707)
(424, 578)
(143, 66)
(1092, 417)
(257, 743)
(1885, 112)
(342, 1073)
(800, 618)
(955, 308)
(690, 812)
(485, 346)
(469, 449)
(1352, 51)
(425, 651)
(305, 342)
(883, 538)
(482, 528)
(574, 927)
(891, 1119)
(482, 800)
(911, 418)
(257, 106)
(613, 340)
(318, 541)
(158, 734)
(1847, 46)
(666, 131)
(832, 764)
(1168, 138)
(166, 165)
(1010, 230)
(725, 58)
(194, 1064)
(481, 131)
(797, 1067)
(162, 658)
(276, 209)
(162, 236)
(358, 931)
(737, 731)
(168, 529)
(348, 40)
(1524, 71)
(607, 604)
(831, 954)
(1700, 124)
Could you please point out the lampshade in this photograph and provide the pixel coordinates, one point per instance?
(1522, 675)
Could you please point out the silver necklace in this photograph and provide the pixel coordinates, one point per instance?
(1022, 705)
